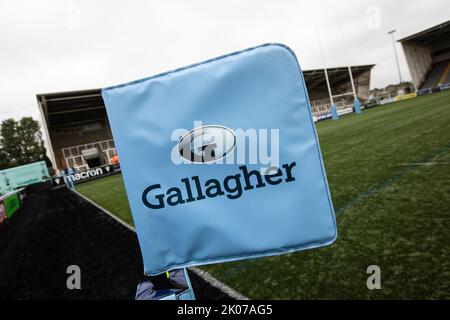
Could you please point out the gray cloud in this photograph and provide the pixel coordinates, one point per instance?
(48, 46)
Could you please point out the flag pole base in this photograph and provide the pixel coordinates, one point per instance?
(334, 114)
(357, 106)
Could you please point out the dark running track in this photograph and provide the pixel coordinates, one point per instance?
(56, 229)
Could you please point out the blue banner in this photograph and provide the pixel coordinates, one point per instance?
(14, 178)
(221, 160)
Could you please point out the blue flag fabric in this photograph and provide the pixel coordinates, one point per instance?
(221, 160)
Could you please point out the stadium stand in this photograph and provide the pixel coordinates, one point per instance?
(428, 57)
(445, 77)
(340, 85)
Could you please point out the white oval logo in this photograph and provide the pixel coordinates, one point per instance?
(207, 144)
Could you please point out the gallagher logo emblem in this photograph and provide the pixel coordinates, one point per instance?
(207, 144)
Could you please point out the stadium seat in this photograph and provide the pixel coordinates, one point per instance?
(434, 76)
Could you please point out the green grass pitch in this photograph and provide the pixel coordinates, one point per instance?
(389, 174)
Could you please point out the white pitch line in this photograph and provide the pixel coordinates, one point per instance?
(106, 211)
(216, 283)
(201, 273)
(424, 163)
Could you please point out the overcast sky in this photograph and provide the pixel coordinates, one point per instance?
(51, 46)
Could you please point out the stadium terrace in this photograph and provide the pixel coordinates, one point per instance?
(231, 186)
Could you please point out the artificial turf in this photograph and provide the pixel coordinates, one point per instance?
(110, 194)
(389, 175)
(56, 229)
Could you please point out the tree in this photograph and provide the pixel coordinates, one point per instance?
(20, 142)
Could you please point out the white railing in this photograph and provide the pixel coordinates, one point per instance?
(73, 157)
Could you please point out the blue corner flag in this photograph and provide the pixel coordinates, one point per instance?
(221, 160)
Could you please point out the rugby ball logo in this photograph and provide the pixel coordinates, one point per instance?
(207, 144)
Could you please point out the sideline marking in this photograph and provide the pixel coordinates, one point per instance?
(424, 163)
(201, 273)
